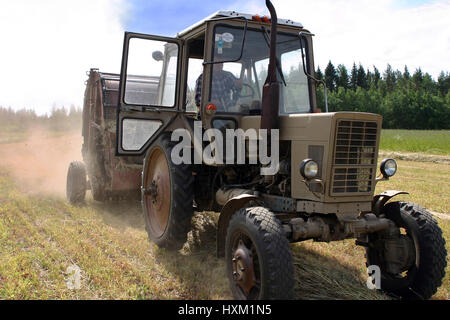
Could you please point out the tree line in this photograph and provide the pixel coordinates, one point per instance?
(59, 119)
(405, 100)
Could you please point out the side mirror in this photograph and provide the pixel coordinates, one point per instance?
(158, 55)
(300, 35)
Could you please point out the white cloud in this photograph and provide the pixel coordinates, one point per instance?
(48, 45)
(371, 32)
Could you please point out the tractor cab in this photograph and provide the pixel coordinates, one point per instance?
(214, 71)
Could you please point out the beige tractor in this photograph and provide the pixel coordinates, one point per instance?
(234, 74)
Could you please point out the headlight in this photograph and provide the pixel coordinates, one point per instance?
(388, 167)
(309, 169)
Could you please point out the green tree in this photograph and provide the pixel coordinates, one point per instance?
(376, 76)
(354, 77)
(405, 101)
(417, 79)
(444, 83)
(389, 78)
(361, 78)
(406, 74)
(319, 74)
(330, 77)
(404, 79)
(343, 80)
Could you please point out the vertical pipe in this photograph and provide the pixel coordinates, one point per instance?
(271, 89)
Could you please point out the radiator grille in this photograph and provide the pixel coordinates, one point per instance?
(354, 162)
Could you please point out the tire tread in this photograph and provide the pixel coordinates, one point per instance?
(182, 195)
(274, 246)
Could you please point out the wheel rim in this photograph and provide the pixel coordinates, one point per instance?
(408, 274)
(401, 280)
(245, 268)
(157, 201)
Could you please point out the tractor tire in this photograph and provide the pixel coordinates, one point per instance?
(168, 208)
(76, 183)
(425, 276)
(258, 256)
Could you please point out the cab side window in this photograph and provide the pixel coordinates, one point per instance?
(151, 73)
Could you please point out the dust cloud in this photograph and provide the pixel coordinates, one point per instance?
(39, 164)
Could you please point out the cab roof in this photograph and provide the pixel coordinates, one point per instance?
(234, 14)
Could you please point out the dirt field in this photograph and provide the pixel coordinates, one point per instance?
(41, 236)
(39, 163)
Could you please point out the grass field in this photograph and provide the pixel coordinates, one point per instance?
(41, 236)
(428, 184)
(424, 141)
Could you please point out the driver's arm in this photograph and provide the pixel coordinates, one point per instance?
(233, 82)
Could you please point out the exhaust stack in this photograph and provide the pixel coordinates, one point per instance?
(271, 89)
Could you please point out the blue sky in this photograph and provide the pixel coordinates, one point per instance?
(168, 17)
(403, 20)
(409, 3)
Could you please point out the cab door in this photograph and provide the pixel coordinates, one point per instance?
(148, 91)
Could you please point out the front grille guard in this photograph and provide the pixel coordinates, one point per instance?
(354, 157)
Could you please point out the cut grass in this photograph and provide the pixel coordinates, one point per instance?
(41, 237)
(424, 141)
(428, 184)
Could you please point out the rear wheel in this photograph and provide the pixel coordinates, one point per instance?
(417, 271)
(258, 256)
(76, 182)
(167, 195)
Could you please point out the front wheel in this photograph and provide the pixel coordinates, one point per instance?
(412, 256)
(258, 256)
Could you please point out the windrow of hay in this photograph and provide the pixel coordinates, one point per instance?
(415, 156)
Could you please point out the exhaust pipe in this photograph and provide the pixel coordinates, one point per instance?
(271, 89)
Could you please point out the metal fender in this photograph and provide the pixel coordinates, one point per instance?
(380, 200)
(227, 211)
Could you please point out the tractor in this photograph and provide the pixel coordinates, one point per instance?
(154, 131)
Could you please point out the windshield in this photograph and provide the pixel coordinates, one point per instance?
(236, 87)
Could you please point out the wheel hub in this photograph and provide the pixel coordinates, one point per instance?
(152, 191)
(399, 254)
(243, 270)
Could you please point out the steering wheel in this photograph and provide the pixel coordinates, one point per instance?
(237, 93)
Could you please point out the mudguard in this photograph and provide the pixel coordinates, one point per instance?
(380, 200)
(227, 211)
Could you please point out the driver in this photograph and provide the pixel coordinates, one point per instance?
(222, 85)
